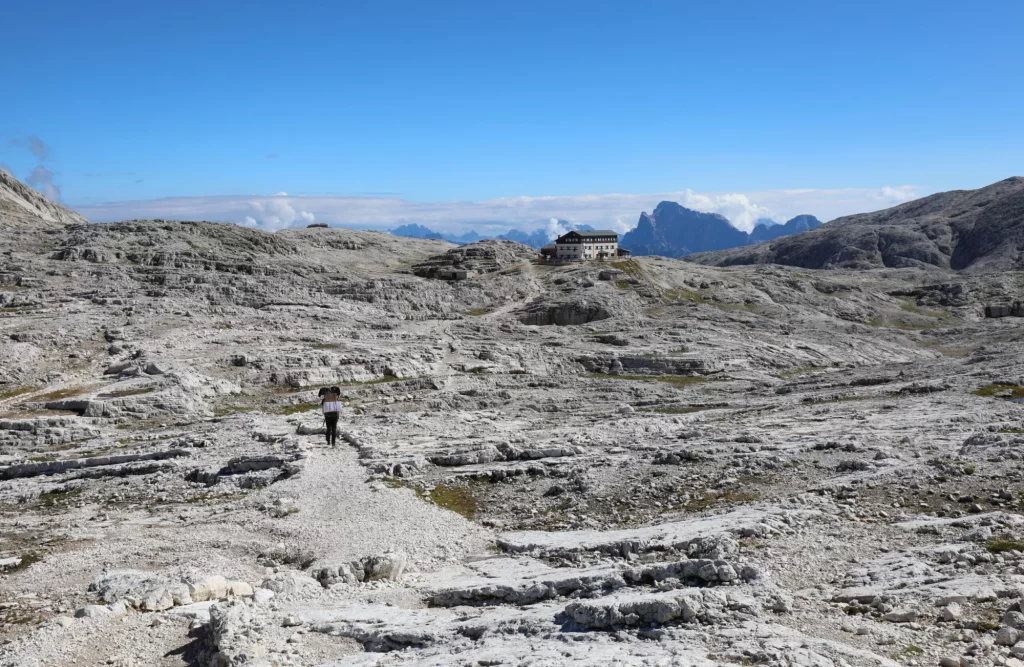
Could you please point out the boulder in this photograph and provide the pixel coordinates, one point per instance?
(210, 588)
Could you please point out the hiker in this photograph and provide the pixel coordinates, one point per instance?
(330, 399)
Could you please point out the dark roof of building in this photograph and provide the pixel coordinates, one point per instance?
(592, 232)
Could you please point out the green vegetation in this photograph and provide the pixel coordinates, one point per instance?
(676, 380)
(225, 410)
(910, 305)
(16, 391)
(1000, 390)
(682, 294)
(386, 378)
(27, 560)
(458, 499)
(623, 284)
(476, 312)
(910, 651)
(630, 267)
(999, 545)
(297, 408)
(968, 470)
(707, 500)
(1012, 430)
(122, 393)
(68, 393)
(947, 350)
(477, 370)
(325, 346)
(834, 399)
(52, 499)
(672, 409)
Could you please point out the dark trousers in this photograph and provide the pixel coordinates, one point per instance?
(331, 419)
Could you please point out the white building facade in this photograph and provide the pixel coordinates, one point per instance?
(586, 245)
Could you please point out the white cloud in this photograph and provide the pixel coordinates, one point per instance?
(555, 228)
(276, 213)
(737, 207)
(496, 216)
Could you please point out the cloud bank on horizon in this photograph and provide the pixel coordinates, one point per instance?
(495, 216)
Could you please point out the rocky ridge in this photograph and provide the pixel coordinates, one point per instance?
(965, 230)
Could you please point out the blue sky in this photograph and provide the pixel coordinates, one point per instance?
(441, 105)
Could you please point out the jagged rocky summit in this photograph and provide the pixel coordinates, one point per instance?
(673, 230)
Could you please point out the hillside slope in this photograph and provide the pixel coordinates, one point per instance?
(976, 230)
(19, 202)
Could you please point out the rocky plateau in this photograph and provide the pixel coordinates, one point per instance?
(645, 462)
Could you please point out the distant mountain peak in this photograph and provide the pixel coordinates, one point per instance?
(674, 230)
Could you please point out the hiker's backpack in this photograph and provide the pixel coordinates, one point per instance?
(331, 403)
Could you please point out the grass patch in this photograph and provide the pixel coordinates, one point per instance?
(123, 393)
(325, 346)
(52, 499)
(676, 294)
(947, 350)
(623, 284)
(910, 651)
(910, 306)
(835, 399)
(999, 390)
(706, 501)
(297, 408)
(671, 409)
(676, 380)
(630, 267)
(70, 392)
(386, 378)
(477, 312)
(16, 391)
(1011, 430)
(27, 560)
(1000, 545)
(458, 499)
(225, 410)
